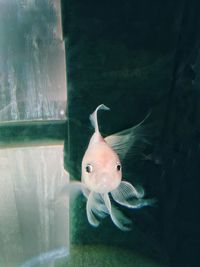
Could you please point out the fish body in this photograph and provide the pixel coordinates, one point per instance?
(101, 178)
(101, 166)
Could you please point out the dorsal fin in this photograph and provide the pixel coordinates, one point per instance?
(121, 142)
(93, 116)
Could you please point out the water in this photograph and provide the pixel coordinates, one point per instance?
(135, 57)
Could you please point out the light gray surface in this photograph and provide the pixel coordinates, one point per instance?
(31, 223)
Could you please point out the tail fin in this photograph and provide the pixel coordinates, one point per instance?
(93, 116)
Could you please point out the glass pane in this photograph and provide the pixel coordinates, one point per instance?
(33, 226)
(32, 61)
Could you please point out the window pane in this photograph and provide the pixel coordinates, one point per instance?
(31, 221)
(32, 61)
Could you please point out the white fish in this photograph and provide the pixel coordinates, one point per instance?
(101, 177)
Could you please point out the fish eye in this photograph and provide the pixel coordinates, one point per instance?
(119, 166)
(88, 168)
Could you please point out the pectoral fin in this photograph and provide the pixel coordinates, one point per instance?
(95, 209)
(127, 195)
(117, 216)
(73, 188)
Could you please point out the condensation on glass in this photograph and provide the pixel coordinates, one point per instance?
(33, 226)
(32, 61)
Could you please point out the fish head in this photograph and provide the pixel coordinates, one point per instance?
(101, 168)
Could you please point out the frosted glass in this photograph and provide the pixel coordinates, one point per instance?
(32, 61)
(33, 227)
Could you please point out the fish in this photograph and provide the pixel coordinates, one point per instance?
(102, 181)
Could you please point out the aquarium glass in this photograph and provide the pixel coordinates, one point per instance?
(32, 61)
(33, 223)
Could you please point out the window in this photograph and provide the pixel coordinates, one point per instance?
(32, 128)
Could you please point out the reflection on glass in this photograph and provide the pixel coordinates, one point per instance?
(33, 227)
(32, 61)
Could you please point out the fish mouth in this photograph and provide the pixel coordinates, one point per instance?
(102, 188)
(107, 184)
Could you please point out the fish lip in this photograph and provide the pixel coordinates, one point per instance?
(105, 187)
(102, 188)
(101, 191)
